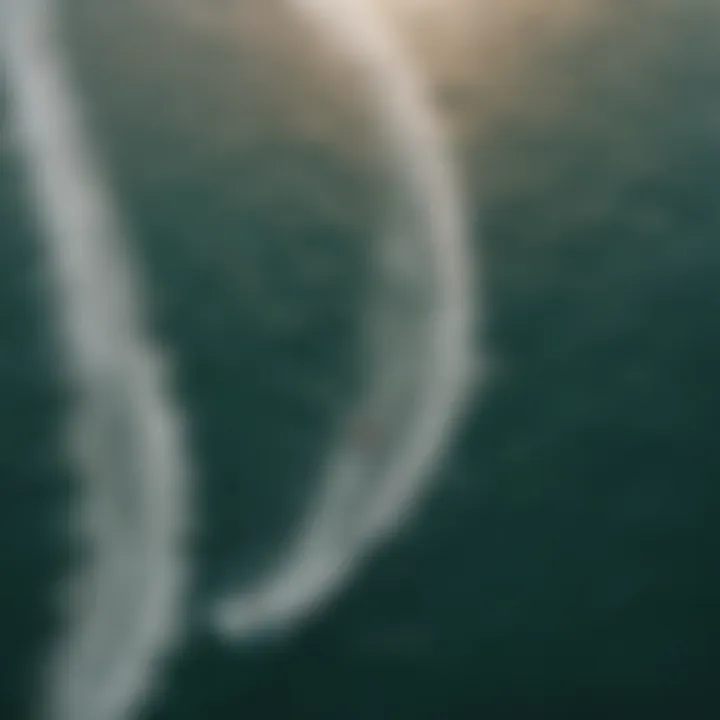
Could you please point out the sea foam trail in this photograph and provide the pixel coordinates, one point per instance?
(419, 356)
(125, 432)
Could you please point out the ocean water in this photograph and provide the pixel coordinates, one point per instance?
(565, 563)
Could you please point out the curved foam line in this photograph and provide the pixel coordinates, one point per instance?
(126, 433)
(419, 345)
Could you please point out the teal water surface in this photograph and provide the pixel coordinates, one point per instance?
(565, 565)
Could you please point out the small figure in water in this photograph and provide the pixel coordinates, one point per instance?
(366, 436)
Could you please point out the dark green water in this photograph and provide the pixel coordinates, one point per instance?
(566, 564)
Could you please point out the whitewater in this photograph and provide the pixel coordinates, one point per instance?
(420, 364)
(125, 433)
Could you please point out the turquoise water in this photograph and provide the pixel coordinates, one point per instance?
(565, 565)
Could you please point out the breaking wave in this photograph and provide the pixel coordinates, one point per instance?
(125, 431)
(419, 359)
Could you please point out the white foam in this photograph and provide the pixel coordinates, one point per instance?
(125, 430)
(420, 360)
